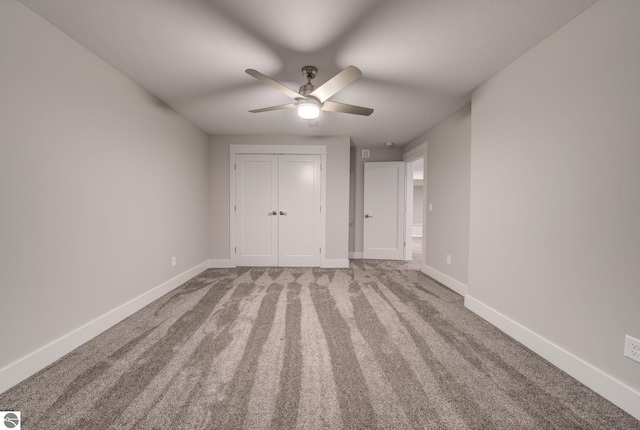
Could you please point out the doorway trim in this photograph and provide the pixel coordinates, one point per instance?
(276, 150)
(409, 157)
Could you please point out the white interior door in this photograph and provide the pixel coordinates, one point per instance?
(299, 210)
(256, 210)
(384, 207)
(277, 210)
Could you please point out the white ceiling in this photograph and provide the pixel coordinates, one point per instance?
(420, 58)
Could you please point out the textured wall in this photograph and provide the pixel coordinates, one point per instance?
(446, 229)
(555, 189)
(100, 185)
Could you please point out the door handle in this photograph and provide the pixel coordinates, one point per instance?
(272, 213)
(283, 213)
(368, 216)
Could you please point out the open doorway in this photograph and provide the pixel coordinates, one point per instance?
(417, 215)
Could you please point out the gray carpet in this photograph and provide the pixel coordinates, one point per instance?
(376, 345)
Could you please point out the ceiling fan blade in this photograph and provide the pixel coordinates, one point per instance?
(345, 108)
(335, 84)
(267, 109)
(275, 84)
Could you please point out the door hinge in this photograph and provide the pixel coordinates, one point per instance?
(404, 244)
(234, 166)
(320, 208)
(320, 250)
(234, 208)
(235, 250)
(320, 166)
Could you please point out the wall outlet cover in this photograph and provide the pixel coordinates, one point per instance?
(632, 348)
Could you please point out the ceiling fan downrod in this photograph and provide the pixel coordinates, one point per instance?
(309, 72)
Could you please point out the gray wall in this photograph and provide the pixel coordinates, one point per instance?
(376, 155)
(100, 185)
(446, 230)
(337, 226)
(555, 189)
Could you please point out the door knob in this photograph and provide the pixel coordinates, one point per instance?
(283, 213)
(273, 213)
(368, 216)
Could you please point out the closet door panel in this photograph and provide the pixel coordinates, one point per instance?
(256, 202)
(299, 210)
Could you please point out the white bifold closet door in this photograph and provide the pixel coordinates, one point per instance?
(278, 210)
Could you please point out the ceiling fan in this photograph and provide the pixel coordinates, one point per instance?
(310, 100)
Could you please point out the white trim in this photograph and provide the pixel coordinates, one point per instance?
(623, 396)
(220, 264)
(421, 151)
(415, 153)
(41, 358)
(408, 210)
(356, 255)
(335, 264)
(425, 196)
(447, 280)
(232, 209)
(323, 206)
(278, 149)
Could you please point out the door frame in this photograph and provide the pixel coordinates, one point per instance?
(409, 157)
(276, 150)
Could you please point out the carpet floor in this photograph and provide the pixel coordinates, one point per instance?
(376, 345)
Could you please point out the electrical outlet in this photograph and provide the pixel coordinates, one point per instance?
(632, 348)
(448, 259)
(173, 261)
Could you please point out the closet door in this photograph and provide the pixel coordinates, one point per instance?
(277, 210)
(256, 210)
(299, 210)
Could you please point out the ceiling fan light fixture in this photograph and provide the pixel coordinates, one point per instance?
(310, 100)
(308, 110)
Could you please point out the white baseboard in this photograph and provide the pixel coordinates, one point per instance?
(220, 264)
(356, 255)
(327, 263)
(335, 264)
(447, 280)
(626, 398)
(41, 358)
